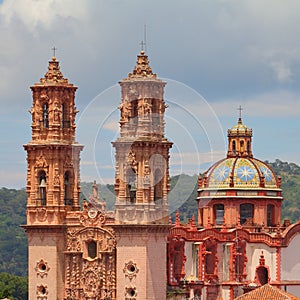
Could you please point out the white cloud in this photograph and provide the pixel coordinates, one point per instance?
(41, 12)
(282, 71)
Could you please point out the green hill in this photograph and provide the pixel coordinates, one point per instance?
(13, 240)
(290, 184)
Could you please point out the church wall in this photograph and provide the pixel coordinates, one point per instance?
(290, 264)
(147, 252)
(131, 250)
(45, 269)
(156, 269)
(253, 252)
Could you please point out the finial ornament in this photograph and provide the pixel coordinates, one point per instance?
(240, 114)
(143, 44)
(54, 50)
(144, 41)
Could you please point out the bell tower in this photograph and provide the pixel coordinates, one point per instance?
(53, 179)
(142, 151)
(142, 184)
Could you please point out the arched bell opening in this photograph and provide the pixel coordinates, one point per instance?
(42, 188)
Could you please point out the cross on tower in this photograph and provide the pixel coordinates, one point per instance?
(143, 44)
(54, 50)
(240, 111)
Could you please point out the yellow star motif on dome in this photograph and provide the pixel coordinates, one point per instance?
(221, 173)
(245, 173)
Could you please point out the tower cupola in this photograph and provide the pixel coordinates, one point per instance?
(239, 140)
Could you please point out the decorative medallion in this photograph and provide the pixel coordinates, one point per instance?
(130, 270)
(42, 268)
(92, 212)
(91, 216)
(42, 292)
(130, 293)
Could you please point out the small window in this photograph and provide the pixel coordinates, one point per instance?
(242, 147)
(92, 249)
(233, 147)
(246, 213)
(45, 115)
(219, 213)
(248, 148)
(67, 189)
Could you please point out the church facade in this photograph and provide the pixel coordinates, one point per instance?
(136, 252)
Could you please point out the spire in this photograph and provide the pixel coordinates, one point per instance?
(240, 115)
(54, 75)
(142, 68)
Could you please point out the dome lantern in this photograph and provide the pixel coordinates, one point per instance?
(240, 140)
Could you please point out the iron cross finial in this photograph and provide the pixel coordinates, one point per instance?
(240, 111)
(54, 50)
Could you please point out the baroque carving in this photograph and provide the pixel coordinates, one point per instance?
(68, 162)
(73, 243)
(41, 161)
(41, 214)
(88, 219)
(131, 159)
(125, 108)
(144, 107)
(91, 278)
(56, 178)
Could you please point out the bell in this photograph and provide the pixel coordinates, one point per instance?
(43, 183)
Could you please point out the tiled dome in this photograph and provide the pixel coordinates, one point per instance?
(240, 172)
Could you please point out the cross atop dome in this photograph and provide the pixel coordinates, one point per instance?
(240, 114)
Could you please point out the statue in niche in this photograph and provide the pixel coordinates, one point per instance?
(56, 178)
(144, 107)
(147, 174)
(125, 110)
(56, 112)
(132, 160)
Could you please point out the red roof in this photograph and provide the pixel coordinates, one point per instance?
(267, 292)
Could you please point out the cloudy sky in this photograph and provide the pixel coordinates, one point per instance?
(214, 55)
